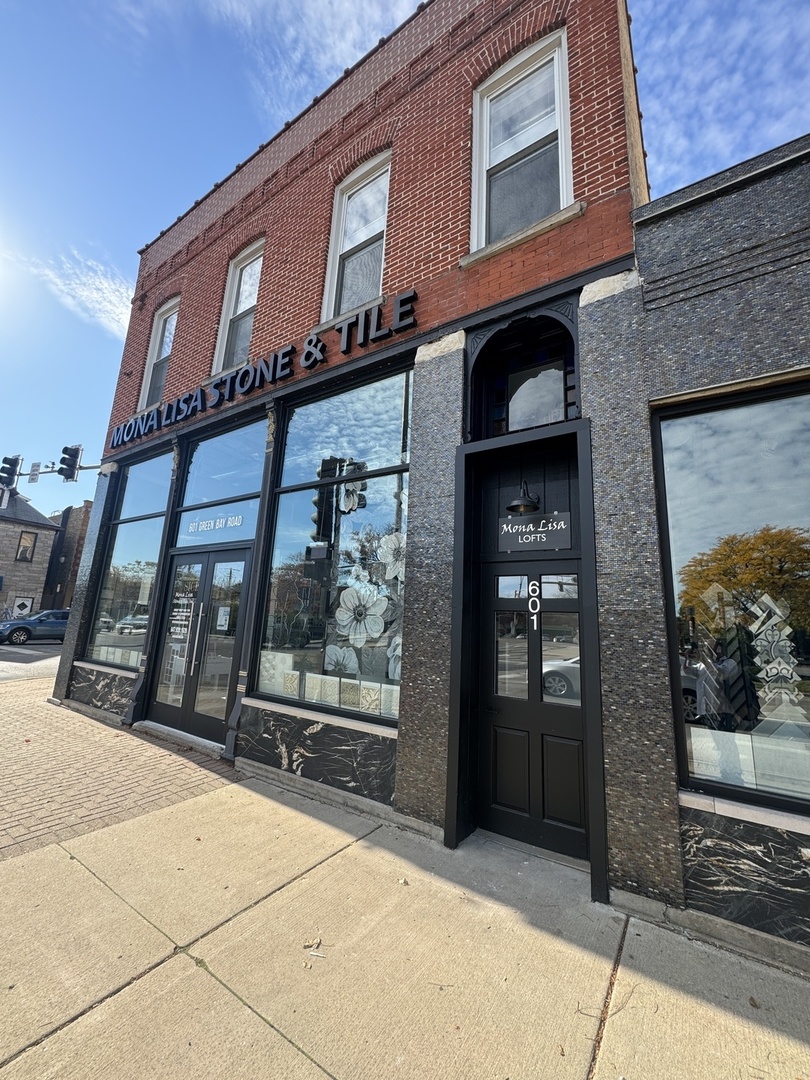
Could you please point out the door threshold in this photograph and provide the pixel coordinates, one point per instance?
(179, 738)
(536, 852)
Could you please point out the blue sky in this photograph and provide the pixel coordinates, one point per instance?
(118, 114)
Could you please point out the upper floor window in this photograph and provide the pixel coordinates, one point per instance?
(354, 272)
(160, 350)
(522, 166)
(239, 308)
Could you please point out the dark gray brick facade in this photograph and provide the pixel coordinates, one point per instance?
(722, 302)
(438, 395)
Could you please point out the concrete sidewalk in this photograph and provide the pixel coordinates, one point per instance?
(248, 931)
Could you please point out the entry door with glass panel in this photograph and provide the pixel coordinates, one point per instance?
(198, 657)
(531, 784)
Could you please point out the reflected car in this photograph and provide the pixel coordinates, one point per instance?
(104, 622)
(132, 624)
(689, 694)
(41, 626)
(561, 678)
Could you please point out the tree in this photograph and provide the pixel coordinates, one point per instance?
(772, 561)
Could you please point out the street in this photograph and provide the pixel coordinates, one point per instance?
(36, 660)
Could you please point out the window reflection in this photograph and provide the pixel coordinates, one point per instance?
(333, 629)
(561, 671)
(512, 661)
(368, 426)
(146, 487)
(741, 569)
(226, 466)
(513, 587)
(537, 396)
(125, 598)
(559, 587)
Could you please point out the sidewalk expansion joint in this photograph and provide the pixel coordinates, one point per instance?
(198, 960)
(57, 1028)
(278, 888)
(606, 1013)
(177, 950)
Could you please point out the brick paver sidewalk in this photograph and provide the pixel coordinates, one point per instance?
(63, 774)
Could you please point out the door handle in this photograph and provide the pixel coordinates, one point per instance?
(197, 639)
(190, 652)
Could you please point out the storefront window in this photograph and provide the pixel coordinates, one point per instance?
(125, 598)
(333, 624)
(738, 509)
(226, 466)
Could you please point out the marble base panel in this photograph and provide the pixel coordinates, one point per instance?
(747, 873)
(359, 762)
(100, 689)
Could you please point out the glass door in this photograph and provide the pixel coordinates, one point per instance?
(198, 656)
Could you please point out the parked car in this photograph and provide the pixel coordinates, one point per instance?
(40, 626)
(132, 624)
(561, 679)
(104, 622)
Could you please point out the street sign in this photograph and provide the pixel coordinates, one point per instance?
(23, 605)
(33, 471)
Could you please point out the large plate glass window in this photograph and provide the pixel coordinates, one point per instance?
(333, 622)
(241, 295)
(125, 600)
(522, 170)
(354, 271)
(738, 513)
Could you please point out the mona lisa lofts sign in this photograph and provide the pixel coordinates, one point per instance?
(531, 531)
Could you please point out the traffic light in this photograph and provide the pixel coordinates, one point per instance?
(69, 462)
(9, 471)
(324, 502)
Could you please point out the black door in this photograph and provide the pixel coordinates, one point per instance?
(198, 655)
(530, 704)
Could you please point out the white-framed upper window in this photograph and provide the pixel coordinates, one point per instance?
(354, 270)
(522, 144)
(241, 293)
(160, 351)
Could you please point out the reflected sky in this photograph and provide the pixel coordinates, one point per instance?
(538, 399)
(733, 471)
(364, 424)
(147, 487)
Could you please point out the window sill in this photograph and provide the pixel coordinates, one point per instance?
(328, 324)
(757, 815)
(294, 709)
(568, 213)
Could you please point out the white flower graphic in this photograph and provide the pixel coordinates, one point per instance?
(359, 614)
(395, 659)
(391, 551)
(340, 660)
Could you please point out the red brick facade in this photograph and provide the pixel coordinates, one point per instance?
(412, 95)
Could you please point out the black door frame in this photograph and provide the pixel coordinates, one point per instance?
(208, 556)
(460, 808)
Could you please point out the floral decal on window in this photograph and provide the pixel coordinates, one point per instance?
(359, 612)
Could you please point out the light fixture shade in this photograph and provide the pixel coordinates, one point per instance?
(525, 503)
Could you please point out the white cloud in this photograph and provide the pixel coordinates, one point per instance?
(295, 48)
(95, 292)
(718, 83)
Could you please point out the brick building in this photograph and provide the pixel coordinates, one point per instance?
(352, 525)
